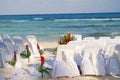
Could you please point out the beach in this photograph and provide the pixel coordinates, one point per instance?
(47, 28)
(49, 47)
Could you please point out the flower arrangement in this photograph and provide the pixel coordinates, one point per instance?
(66, 38)
(39, 50)
(26, 54)
(13, 61)
(41, 68)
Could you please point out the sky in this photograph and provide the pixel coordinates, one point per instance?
(57, 6)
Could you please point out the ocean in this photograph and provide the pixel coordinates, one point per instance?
(49, 27)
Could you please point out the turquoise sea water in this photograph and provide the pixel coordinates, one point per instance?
(48, 27)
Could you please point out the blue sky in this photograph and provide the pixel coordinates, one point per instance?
(58, 6)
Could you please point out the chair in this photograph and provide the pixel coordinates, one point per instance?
(112, 60)
(10, 44)
(1, 39)
(5, 56)
(78, 37)
(59, 65)
(104, 40)
(19, 44)
(32, 41)
(89, 38)
(65, 55)
(93, 61)
(5, 36)
(117, 37)
(70, 62)
(79, 47)
(20, 47)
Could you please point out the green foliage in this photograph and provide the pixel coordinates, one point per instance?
(41, 52)
(25, 54)
(66, 38)
(12, 62)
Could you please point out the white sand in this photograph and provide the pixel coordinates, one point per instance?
(4, 72)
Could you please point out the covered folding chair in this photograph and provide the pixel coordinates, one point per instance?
(79, 47)
(32, 41)
(70, 63)
(1, 39)
(117, 37)
(19, 44)
(9, 43)
(112, 60)
(66, 56)
(93, 61)
(5, 36)
(20, 47)
(6, 56)
(59, 65)
(78, 37)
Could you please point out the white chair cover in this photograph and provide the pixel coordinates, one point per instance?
(5, 36)
(59, 64)
(79, 47)
(89, 38)
(19, 44)
(112, 63)
(1, 39)
(70, 63)
(4, 56)
(104, 40)
(117, 37)
(93, 61)
(33, 45)
(9, 43)
(78, 37)
(65, 63)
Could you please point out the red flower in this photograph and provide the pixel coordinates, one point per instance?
(38, 47)
(42, 59)
(26, 46)
(68, 36)
(14, 54)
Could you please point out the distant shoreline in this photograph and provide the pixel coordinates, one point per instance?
(59, 13)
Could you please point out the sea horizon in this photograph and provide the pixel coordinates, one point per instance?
(49, 27)
(58, 13)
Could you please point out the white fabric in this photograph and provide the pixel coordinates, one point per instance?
(78, 37)
(70, 63)
(4, 56)
(59, 69)
(117, 37)
(5, 36)
(64, 64)
(93, 61)
(33, 45)
(10, 44)
(19, 44)
(1, 39)
(117, 51)
(89, 38)
(78, 51)
(60, 48)
(112, 63)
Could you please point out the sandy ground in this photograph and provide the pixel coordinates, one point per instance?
(49, 46)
